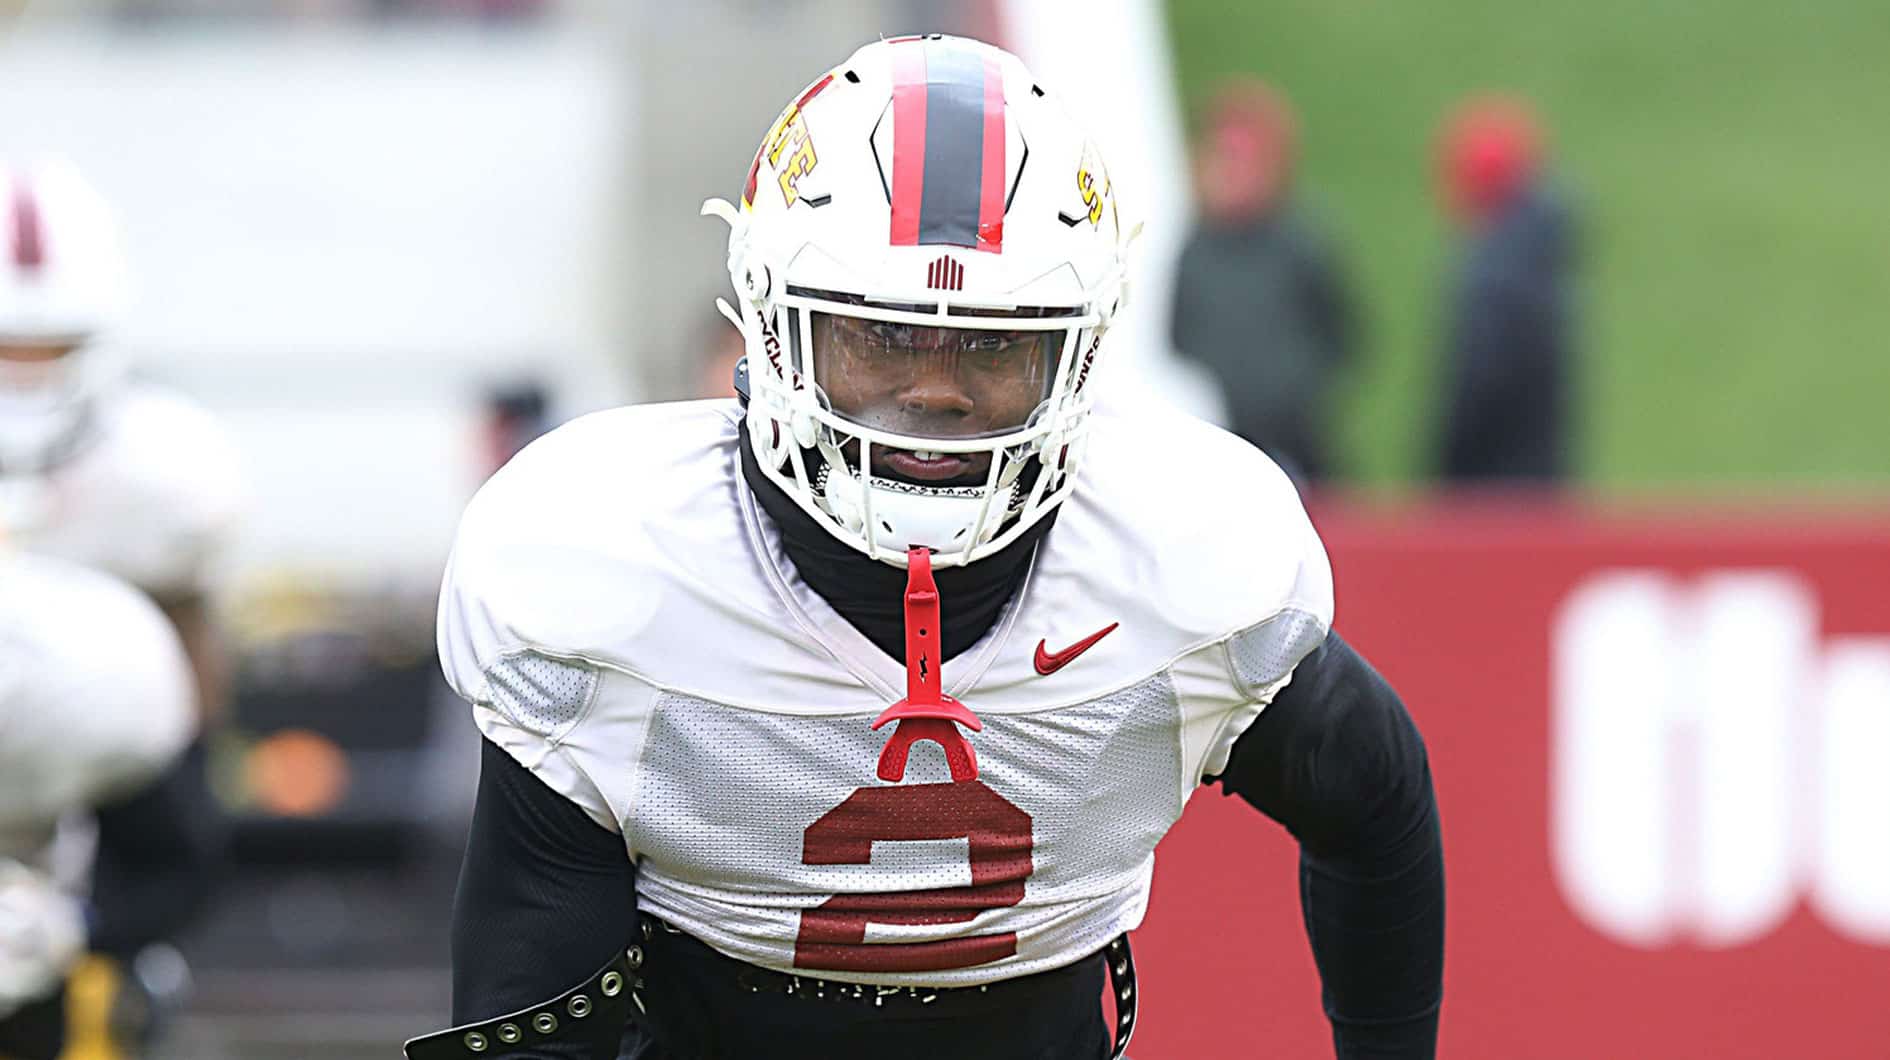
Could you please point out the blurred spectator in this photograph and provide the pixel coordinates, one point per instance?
(515, 414)
(1259, 300)
(1507, 413)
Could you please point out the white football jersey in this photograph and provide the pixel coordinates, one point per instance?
(96, 697)
(625, 623)
(151, 497)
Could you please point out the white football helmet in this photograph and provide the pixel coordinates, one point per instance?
(61, 284)
(925, 259)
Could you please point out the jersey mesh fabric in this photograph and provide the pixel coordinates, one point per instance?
(725, 798)
(540, 694)
(1266, 652)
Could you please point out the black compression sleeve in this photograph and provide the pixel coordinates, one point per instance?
(1337, 760)
(158, 849)
(546, 896)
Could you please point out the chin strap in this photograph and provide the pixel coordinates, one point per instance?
(926, 713)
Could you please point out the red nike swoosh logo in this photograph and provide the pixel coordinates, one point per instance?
(1049, 662)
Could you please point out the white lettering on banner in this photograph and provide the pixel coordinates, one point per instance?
(1851, 862)
(1713, 762)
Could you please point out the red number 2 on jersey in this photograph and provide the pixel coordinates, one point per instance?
(833, 934)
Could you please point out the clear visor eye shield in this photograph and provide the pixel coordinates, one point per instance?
(927, 378)
(900, 400)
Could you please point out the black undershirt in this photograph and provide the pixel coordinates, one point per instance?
(1337, 760)
(547, 895)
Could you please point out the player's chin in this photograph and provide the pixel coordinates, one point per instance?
(932, 469)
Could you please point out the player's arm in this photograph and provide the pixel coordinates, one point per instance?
(159, 845)
(189, 613)
(546, 897)
(1338, 761)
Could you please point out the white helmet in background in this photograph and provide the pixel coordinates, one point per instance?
(61, 284)
(925, 260)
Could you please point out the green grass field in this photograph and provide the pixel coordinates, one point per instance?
(1732, 162)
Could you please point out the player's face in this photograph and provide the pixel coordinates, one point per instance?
(932, 382)
(33, 352)
(28, 367)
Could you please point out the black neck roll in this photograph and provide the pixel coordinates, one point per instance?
(871, 594)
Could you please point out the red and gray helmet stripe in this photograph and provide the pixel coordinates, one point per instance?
(948, 146)
(28, 238)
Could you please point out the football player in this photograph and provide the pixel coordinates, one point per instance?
(843, 720)
(96, 707)
(127, 478)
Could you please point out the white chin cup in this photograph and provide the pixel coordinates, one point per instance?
(905, 515)
(44, 404)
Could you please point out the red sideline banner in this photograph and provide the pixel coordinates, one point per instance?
(1661, 744)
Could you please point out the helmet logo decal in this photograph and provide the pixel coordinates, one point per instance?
(788, 136)
(1092, 196)
(29, 249)
(948, 147)
(754, 178)
(945, 275)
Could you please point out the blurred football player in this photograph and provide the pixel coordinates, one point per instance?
(842, 720)
(96, 708)
(128, 478)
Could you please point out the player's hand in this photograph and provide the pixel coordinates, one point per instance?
(42, 932)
